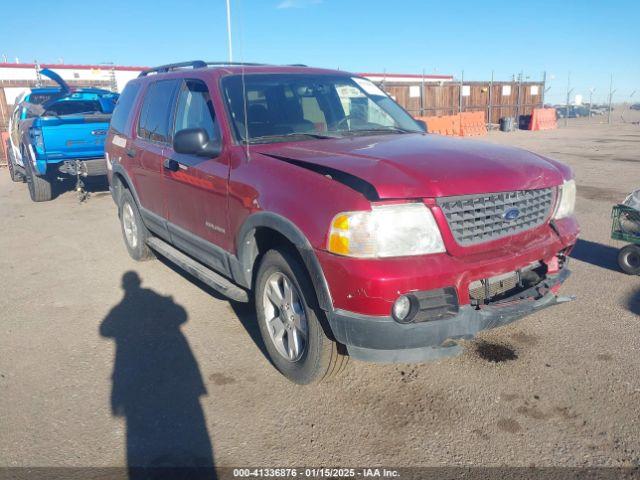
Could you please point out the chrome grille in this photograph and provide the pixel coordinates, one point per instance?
(480, 218)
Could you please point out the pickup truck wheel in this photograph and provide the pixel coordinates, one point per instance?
(15, 176)
(134, 232)
(289, 321)
(629, 259)
(40, 188)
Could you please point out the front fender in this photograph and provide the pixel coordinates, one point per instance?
(248, 251)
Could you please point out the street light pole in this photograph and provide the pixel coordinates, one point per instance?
(569, 90)
(229, 31)
(611, 92)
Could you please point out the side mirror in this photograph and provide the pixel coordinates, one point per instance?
(195, 141)
(422, 124)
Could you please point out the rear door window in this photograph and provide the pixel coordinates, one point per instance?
(155, 115)
(195, 109)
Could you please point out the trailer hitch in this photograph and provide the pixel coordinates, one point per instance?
(76, 168)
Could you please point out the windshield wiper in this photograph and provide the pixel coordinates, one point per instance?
(276, 137)
(379, 130)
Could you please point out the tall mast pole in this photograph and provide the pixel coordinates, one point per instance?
(229, 30)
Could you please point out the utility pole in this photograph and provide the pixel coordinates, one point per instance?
(38, 76)
(569, 90)
(422, 95)
(113, 80)
(490, 110)
(460, 98)
(611, 92)
(519, 99)
(591, 90)
(229, 31)
(545, 88)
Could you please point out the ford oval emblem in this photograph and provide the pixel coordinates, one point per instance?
(510, 214)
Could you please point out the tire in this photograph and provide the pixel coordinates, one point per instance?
(629, 259)
(15, 176)
(134, 232)
(317, 356)
(40, 188)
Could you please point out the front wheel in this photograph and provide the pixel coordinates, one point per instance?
(290, 321)
(629, 259)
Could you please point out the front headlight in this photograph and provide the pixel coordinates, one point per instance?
(566, 201)
(386, 231)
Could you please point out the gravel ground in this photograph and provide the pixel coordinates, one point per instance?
(558, 388)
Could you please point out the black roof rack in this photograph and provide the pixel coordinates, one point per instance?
(194, 64)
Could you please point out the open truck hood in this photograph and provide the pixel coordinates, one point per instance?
(419, 166)
(64, 86)
(65, 89)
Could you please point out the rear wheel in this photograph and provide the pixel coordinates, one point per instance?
(629, 259)
(40, 188)
(15, 176)
(134, 232)
(290, 321)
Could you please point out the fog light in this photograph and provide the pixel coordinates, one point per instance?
(403, 310)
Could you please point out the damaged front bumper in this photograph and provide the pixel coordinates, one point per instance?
(382, 339)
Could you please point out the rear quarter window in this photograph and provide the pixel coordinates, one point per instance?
(123, 108)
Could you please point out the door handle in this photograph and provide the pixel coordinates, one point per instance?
(171, 164)
(131, 152)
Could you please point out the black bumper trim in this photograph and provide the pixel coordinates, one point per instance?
(381, 339)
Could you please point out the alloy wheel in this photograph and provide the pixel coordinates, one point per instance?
(285, 316)
(129, 225)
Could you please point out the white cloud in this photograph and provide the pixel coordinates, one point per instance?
(297, 3)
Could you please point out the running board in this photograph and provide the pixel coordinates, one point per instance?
(202, 273)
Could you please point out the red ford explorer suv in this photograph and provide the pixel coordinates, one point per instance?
(315, 194)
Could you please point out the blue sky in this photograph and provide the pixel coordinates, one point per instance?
(590, 39)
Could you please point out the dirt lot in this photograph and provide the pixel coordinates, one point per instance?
(565, 390)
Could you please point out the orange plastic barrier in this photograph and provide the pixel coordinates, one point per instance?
(543, 119)
(444, 125)
(4, 155)
(472, 124)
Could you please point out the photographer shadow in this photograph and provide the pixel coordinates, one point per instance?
(157, 387)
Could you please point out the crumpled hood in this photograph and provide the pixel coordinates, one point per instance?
(418, 166)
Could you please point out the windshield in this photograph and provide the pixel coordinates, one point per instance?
(286, 107)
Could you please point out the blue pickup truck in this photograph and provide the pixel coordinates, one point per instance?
(57, 132)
